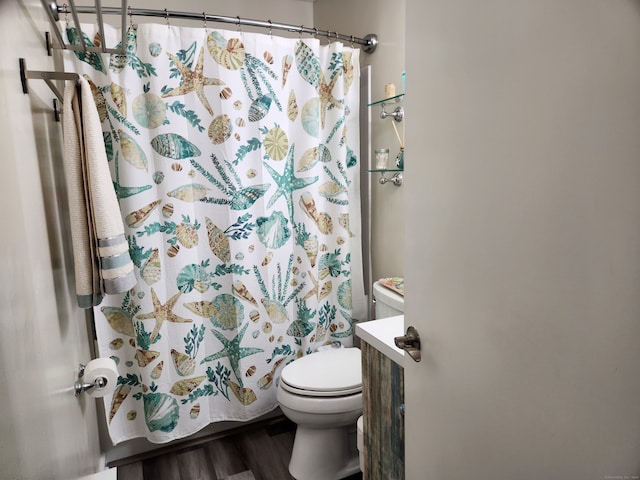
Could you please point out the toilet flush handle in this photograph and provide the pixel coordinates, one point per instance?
(410, 343)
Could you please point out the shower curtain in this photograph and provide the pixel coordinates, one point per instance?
(234, 158)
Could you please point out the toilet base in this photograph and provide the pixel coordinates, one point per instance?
(323, 454)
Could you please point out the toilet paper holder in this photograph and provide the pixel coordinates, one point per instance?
(81, 386)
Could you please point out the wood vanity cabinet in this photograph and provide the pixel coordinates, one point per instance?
(383, 410)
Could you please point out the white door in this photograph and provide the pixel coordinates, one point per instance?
(523, 239)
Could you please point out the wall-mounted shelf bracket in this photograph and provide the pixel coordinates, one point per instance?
(396, 179)
(397, 114)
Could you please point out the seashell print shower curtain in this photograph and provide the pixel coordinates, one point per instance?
(234, 157)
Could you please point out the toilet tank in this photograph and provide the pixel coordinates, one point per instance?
(388, 302)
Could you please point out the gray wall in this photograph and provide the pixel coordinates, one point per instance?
(45, 433)
(387, 20)
(295, 12)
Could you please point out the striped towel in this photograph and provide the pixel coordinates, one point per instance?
(100, 249)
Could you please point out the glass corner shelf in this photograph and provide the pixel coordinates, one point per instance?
(395, 98)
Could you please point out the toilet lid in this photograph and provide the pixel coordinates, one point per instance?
(332, 372)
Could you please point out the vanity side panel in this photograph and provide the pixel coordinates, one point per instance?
(383, 422)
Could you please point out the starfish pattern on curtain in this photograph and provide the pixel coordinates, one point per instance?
(235, 160)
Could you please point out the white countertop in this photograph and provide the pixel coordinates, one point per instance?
(380, 334)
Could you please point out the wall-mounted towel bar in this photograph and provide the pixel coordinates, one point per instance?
(46, 76)
(26, 74)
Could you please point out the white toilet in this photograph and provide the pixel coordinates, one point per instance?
(322, 394)
(388, 303)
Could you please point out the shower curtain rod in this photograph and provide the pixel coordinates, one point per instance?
(369, 42)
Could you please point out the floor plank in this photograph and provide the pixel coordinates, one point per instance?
(130, 471)
(283, 444)
(241, 476)
(163, 467)
(195, 464)
(225, 457)
(262, 456)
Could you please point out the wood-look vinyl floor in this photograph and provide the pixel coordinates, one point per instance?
(258, 453)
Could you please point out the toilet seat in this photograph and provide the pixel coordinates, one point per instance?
(316, 393)
(327, 373)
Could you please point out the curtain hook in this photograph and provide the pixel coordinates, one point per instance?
(315, 32)
(270, 28)
(166, 17)
(352, 40)
(130, 15)
(238, 24)
(66, 14)
(204, 15)
(300, 32)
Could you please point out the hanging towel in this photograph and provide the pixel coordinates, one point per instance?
(100, 250)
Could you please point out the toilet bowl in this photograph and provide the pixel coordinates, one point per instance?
(322, 394)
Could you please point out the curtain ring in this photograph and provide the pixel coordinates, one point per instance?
(270, 28)
(66, 13)
(301, 29)
(130, 15)
(315, 32)
(204, 15)
(352, 40)
(166, 17)
(238, 25)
